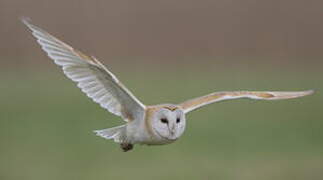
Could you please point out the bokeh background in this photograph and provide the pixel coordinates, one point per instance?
(165, 51)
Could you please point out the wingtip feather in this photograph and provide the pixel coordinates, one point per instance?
(25, 20)
(290, 95)
(309, 92)
(306, 93)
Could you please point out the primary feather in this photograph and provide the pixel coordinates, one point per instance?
(196, 103)
(90, 75)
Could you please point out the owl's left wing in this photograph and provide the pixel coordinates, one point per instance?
(196, 103)
(95, 80)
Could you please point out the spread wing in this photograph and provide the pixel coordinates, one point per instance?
(196, 103)
(90, 75)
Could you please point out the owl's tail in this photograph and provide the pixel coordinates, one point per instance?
(117, 133)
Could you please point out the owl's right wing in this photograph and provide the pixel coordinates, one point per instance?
(196, 103)
(91, 76)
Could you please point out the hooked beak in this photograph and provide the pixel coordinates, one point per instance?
(172, 131)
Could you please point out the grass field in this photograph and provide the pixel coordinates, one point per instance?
(46, 128)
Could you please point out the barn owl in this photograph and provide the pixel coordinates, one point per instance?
(150, 125)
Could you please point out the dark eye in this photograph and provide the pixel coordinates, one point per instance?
(178, 120)
(164, 120)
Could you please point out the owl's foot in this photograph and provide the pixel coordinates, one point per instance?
(126, 147)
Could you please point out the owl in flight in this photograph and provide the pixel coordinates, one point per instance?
(150, 125)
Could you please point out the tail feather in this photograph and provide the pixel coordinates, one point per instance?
(116, 133)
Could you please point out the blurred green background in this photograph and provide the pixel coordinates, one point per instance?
(165, 51)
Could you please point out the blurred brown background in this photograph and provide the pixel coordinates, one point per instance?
(283, 30)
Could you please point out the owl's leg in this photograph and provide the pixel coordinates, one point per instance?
(126, 147)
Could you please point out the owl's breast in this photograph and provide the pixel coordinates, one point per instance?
(159, 141)
(138, 134)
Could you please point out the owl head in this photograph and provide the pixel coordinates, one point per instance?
(168, 122)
